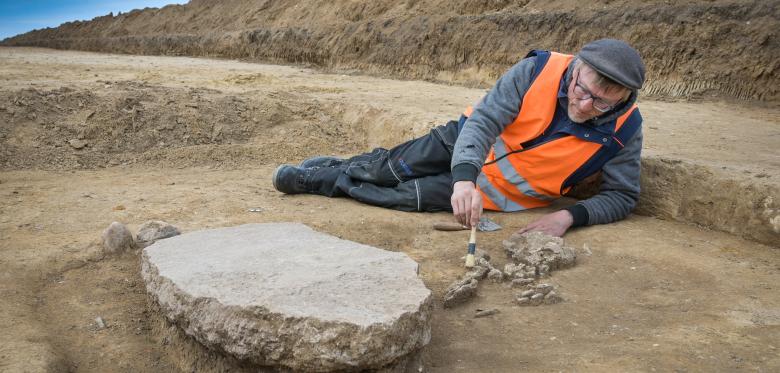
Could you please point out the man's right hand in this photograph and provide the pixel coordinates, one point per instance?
(466, 203)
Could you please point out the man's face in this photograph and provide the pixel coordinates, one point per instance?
(581, 98)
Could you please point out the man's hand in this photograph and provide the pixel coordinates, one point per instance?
(466, 203)
(554, 224)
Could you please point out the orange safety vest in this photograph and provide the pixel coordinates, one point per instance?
(534, 177)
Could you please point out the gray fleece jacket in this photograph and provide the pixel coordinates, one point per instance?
(619, 190)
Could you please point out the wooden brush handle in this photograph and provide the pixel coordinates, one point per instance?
(473, 240)
(448, 226)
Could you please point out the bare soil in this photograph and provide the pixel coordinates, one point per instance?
(194, 141)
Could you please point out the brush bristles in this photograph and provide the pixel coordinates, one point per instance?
(470, 260)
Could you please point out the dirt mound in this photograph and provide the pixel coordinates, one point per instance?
(128, 122)
(722, 48)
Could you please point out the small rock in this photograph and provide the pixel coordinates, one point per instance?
(101, 324)
(460, 292)
(482, 262)
(477, 273)
(527, 293)
(537, 299)
(77, 143)
(543, 288)
(117, 238)
(154, 230)
(522, 282)
(514, 270)
(495, 275)
(524, 301)
(552, 298)
(485, 313)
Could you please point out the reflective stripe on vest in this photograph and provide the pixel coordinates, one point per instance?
(534, 177)
(507, 169)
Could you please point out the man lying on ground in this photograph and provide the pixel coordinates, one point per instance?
(550, 122)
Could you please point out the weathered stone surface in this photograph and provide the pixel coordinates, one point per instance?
(523, 301)
(465, 288)
(154, 230)
(514, 270)
(544, 252)
(477, 273)
(543, 288)
(522, 282)
(460, 292)
(495, 275)
(287, 296)
(552, 298)
(77, 144)
(117, 238)
(535, 295)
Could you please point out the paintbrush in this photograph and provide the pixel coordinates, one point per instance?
(472, 248)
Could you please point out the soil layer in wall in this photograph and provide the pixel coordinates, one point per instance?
(720, 48)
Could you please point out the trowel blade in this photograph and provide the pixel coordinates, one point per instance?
(487, 225)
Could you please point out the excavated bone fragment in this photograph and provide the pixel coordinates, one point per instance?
(535, 295)
(460, 292)
(543, 252)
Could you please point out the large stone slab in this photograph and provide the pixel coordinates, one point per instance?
(284, 295)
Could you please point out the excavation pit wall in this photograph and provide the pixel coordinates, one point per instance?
(128, 123)
(709, 197)
(689, 47)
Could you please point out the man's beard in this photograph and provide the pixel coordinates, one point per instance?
(575, 115)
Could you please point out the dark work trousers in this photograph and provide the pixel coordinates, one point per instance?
(413, 176)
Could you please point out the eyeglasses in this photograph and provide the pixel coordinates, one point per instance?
(583, 93)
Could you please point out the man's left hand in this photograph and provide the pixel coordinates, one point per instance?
(554, 224)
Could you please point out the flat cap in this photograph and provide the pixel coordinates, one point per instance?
(616, 60)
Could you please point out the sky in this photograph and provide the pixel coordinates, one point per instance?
(20, 16)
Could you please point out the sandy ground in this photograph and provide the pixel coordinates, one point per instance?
(646, 294)
(737, 136)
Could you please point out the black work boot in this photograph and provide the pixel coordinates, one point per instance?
(289, 179)
(321, 162)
